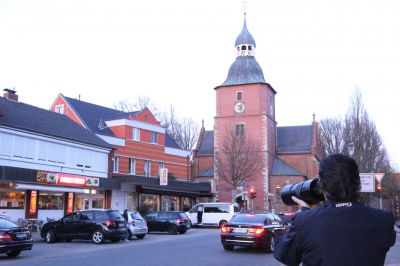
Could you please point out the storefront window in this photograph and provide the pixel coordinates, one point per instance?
(186, 203)
(78, 202)
(12, 200)
(169, 203)
(148, 203)
(51, 201)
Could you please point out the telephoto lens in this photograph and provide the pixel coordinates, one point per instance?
(308, 191)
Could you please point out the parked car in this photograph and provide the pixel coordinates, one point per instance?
(252, 230)
(168, 221)
(286, 217)
(97, 225)
(213, 213)
(13, 238)
(136, 225)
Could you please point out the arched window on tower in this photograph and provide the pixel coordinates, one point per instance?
(239, 96)
(243, 47)
(239, 130)
(249, 48)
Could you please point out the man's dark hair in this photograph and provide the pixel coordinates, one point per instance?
(340, 177)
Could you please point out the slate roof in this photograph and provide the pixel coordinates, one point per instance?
(207, 143)
(294, 139)
(245, 37)
(26, 117)
(245, 70)
(92, 115)
(208, 172)
(281, 168)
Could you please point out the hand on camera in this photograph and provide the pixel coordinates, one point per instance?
(302, 203)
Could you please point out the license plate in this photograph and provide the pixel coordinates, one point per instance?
(240, 230)
(21, 235)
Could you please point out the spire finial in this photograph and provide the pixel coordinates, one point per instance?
(313, 117)
(244, 9)
(202, 123)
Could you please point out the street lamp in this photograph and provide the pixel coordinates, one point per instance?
(350, 148)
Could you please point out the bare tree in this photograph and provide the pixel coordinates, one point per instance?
(238, 159)
(359, 129)
(183, 131)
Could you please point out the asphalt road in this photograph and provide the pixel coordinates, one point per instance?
(196, 247)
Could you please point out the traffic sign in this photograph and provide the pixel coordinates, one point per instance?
(379, 176)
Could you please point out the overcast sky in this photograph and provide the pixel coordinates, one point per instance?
(314, 54)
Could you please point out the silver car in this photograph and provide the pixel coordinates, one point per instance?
(137, 225)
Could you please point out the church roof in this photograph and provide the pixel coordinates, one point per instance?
(26, 117)
(280, 168)
(290, 139)
(245, 70)
(207, 144)
(293, 139)
(245, 37)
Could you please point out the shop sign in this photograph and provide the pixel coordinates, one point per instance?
(32, 208)
(163, 176)
(67, 179)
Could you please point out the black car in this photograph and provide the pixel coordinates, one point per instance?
(97, 225)
(286, 217)
(14, 239)
(168, 221)
(252, 230)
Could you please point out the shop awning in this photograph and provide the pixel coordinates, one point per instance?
(48, 188)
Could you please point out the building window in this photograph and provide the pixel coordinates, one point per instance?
(115, 164)
(147, 168)
(60, 109)
(136, 134)
(51, 201)
(239, 130)
(239, 96)
(243, 47)
(154, 137)
(132, 164)
(12, 200)
(169, 203)
(148, 203)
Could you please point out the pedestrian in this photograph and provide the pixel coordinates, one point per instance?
(125, 215)
(342, 231)
(200, 214)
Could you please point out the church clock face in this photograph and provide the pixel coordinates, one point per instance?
(239, 107)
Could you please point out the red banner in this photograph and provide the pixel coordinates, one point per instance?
(32, 208)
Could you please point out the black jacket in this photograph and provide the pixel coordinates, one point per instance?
(336, 233)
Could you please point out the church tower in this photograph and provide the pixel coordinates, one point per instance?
(245, 106)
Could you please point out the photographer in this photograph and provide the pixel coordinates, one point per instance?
(342, 231)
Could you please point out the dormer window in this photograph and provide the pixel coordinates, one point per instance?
(60, 109)
(154, 137)
(243, 47)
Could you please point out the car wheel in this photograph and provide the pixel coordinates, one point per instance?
(98, 237)
(172, 229)
(140, 236)
(13, 253)
(270, 245)
(228, 247)
(222, 223)
(50, 237)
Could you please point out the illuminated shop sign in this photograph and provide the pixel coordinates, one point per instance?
(70, 206)
(67, 179)
(32, 207)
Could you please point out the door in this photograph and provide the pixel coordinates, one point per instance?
(163, 223)
(151, 220)
(85, 224)
(67, 227)
(193, 215)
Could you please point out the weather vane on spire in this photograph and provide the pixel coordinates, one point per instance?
(244, 7)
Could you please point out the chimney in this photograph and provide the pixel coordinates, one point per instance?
(10, 95)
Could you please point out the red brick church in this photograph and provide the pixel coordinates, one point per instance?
(245, 104)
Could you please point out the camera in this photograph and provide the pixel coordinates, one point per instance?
(308, 191)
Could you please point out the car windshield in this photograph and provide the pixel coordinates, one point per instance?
(249, 219)
(136, 216)
(4, 223)
(114, 214)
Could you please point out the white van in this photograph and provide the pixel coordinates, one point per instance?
(216, 213)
